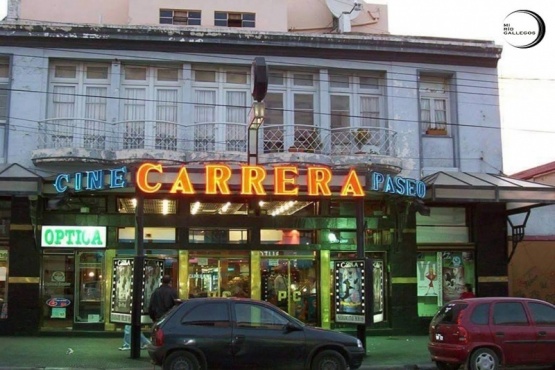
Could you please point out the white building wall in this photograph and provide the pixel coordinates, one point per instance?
(27, 103)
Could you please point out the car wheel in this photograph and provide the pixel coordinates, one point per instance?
(483, 359)
(181, 360)
(446, 366)
(329, 360)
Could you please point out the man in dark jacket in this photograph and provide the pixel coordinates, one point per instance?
(162, 299)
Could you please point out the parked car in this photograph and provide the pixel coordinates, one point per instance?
(241, 333)
(486, 333)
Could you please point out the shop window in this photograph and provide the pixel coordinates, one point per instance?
(441, 277)
(151, 206)
(151, 235)
(227, 236)
(214, 275)
(3, 283)
(286, 236)
(288, 280)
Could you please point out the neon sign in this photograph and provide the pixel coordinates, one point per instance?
(220, 179)
(73, 236)
(285, 182)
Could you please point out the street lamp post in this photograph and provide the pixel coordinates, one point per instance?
(259, 75)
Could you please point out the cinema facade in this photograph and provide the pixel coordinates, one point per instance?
(218, 229)
(132, 156)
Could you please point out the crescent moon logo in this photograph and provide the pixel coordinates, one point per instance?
(523, 29)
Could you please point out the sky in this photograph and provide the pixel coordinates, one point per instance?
(526, 76)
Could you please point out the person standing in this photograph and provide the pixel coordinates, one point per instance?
(162, 300)
(127, 339)
(467, 292)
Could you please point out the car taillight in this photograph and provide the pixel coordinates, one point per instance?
(158, 337)
(462, 334)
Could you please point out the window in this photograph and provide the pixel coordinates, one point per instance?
(290, 121)
(150, 107)
(4, 89)
(449, 314)
(509, 313)
(221, 102)
(434, 105)
(480, 315)
(77, 106)
(180, 17)
(356, 106)
(542, 314)
(252, 316)
(226, 19)
(209, 314)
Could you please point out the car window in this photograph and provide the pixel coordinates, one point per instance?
(509, 313)
(542, 313)
(254, 316)
(449, 313)
(208, 314)
(480, 315)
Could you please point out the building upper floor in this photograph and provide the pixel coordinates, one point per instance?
(314, 16)
(109, 94)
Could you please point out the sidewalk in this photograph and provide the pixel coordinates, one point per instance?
(64, 353)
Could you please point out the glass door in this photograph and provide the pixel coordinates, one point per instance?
(219, 274)
(90, 299)
(290, 283)
(58, 284)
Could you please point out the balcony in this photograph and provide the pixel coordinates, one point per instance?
(80, 140)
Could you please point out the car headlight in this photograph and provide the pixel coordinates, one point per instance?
(359, 343)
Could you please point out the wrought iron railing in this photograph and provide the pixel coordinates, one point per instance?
(55, 133)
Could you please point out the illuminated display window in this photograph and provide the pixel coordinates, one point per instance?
(212, 235)
(151, 206)
(286, 236)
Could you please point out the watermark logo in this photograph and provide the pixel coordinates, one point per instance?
(523, 29)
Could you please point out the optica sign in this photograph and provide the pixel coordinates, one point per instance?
(73, 236)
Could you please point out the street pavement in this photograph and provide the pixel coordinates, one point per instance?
(72, 352)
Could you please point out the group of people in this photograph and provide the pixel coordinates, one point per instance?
(161, 301)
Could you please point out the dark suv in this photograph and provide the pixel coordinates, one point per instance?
(235, 333)
(485, 333)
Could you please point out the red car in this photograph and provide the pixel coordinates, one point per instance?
(486, 333)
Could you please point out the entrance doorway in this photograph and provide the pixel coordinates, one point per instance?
(219, 274)
(57, 291)
(73, 290)
(290, 282)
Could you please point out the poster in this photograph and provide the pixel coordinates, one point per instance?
(378, 291)
(457, 270)
(350, 291)
(428, 274)
(122, 283)
(122, 288)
